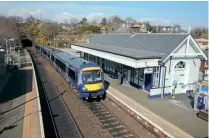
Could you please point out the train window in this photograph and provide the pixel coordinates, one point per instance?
(60, 64)
(93, 76)
(71, 73)
(52, 57)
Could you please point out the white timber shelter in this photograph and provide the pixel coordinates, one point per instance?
(152, 61)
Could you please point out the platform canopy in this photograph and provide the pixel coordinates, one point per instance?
(119, 58)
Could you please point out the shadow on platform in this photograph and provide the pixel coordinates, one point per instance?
(7, 128)
(19, 84)
(106, 85)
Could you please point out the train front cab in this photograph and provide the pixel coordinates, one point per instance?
(91, 83)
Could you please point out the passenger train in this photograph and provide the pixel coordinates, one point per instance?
(86, 77)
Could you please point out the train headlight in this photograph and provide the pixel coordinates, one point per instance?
(84, 89)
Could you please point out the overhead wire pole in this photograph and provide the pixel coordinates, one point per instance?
(7, 46)
(54, 40)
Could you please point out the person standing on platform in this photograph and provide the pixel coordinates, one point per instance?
(120, 77)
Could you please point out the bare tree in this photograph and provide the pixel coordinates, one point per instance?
(200, 33)
(129, 20)
(9, 27)
(115, 22)
(16, 19)
(83, 21)
(73, 21)
(52, 30)
(104, 21)
(94, 22)
(31, 19)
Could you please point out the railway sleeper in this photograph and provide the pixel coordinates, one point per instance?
(109, 120)
(119, 129)
(119, 135)
(102, 114)
(110, 125)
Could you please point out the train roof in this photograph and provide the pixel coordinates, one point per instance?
(70, 58)
(74, 61)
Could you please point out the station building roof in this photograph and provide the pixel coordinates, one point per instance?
(157, 43)
(132, 53)
(135, 46)
(70, 51)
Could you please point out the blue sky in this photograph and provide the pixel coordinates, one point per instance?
(165, 13)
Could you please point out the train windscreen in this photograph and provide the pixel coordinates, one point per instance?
(92, 76)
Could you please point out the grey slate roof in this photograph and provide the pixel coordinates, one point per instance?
(70, 51)
(148, 45)
(132, 53)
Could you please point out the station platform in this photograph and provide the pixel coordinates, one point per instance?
(166, 117)
(20, 111)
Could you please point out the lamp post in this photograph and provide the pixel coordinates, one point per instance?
(65, 42)
(7, 45)
(57, 42)
(54, 41)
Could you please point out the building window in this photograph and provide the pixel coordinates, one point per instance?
(180, 65)
(156, 77)
(141, 74)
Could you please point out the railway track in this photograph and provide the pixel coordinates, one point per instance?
(108, 121)
(63, 121)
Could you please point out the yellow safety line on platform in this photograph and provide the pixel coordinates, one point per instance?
(27, 119)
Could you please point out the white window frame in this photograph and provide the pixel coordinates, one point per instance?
(156, 73)
(177, 68)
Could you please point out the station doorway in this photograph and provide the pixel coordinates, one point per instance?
(148, 82)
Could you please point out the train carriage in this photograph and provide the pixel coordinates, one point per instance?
(86, 77)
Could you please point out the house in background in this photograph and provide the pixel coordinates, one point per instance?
(138, 28)
(135, 28)
(152, 62)
(103, 30)
(203, 43)
(203, 74)
(168, 29)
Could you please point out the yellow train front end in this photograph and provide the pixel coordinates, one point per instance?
(93, 83)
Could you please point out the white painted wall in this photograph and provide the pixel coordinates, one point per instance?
(159, 91)
(191, 73)
(182, 49)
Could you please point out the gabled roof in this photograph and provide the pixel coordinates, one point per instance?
(155, 44)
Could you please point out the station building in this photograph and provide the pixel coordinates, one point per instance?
(151, 62)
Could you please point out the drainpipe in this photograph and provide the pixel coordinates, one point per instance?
(162, 95)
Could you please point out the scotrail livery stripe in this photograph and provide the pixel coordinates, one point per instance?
(93, 87)
(91, 68)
